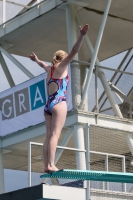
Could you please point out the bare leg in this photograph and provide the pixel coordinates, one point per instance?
(59, 112)
(48, 119)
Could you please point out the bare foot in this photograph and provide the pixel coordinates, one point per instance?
(52, 169)
(46, 170)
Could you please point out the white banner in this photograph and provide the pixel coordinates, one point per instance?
(22, 106)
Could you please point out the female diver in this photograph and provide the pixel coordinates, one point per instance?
(55, 110)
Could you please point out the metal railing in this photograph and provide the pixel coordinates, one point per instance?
(59, 152)
(60, 149)
(105, 185)
(120, 82)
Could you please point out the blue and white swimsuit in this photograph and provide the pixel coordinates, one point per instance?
(59, 95)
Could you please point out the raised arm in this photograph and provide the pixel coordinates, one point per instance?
(42, 64)
(76, 46)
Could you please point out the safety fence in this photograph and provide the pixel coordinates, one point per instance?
(109, 151)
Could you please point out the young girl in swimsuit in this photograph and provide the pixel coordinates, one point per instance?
(55, 110)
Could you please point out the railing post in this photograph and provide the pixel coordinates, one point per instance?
(38, 1)
(124, 170)
(96, 94)
(107, 169)
(29, 164)
(87, 160)
(4, 11)
(2, 186)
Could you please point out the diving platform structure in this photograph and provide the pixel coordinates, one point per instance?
(102, 98)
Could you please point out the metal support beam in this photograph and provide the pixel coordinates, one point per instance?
(100, 74)
(29, 5)
(94, 56)
(83, 76)
(114, 88)
(105, 84)
(114, 76)
(77, 77)
(75, 69)
(4, 11)
(130, 111)
(121, 100)
(6, 71)
(2, 187)
(17, 63)
(71, 28)
(79, 144)
(129, 142)
(38, 1)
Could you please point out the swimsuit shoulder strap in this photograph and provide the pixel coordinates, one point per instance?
(52, 71)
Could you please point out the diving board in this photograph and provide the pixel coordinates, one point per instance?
(91, 175)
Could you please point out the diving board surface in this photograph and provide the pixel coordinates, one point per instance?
(91, 175)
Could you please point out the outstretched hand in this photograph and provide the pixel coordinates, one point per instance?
(33, 57)
(84, 30)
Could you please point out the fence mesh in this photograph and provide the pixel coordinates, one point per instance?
(109, 151)
(67, 160)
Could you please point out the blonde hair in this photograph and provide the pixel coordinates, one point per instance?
(58, 56)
